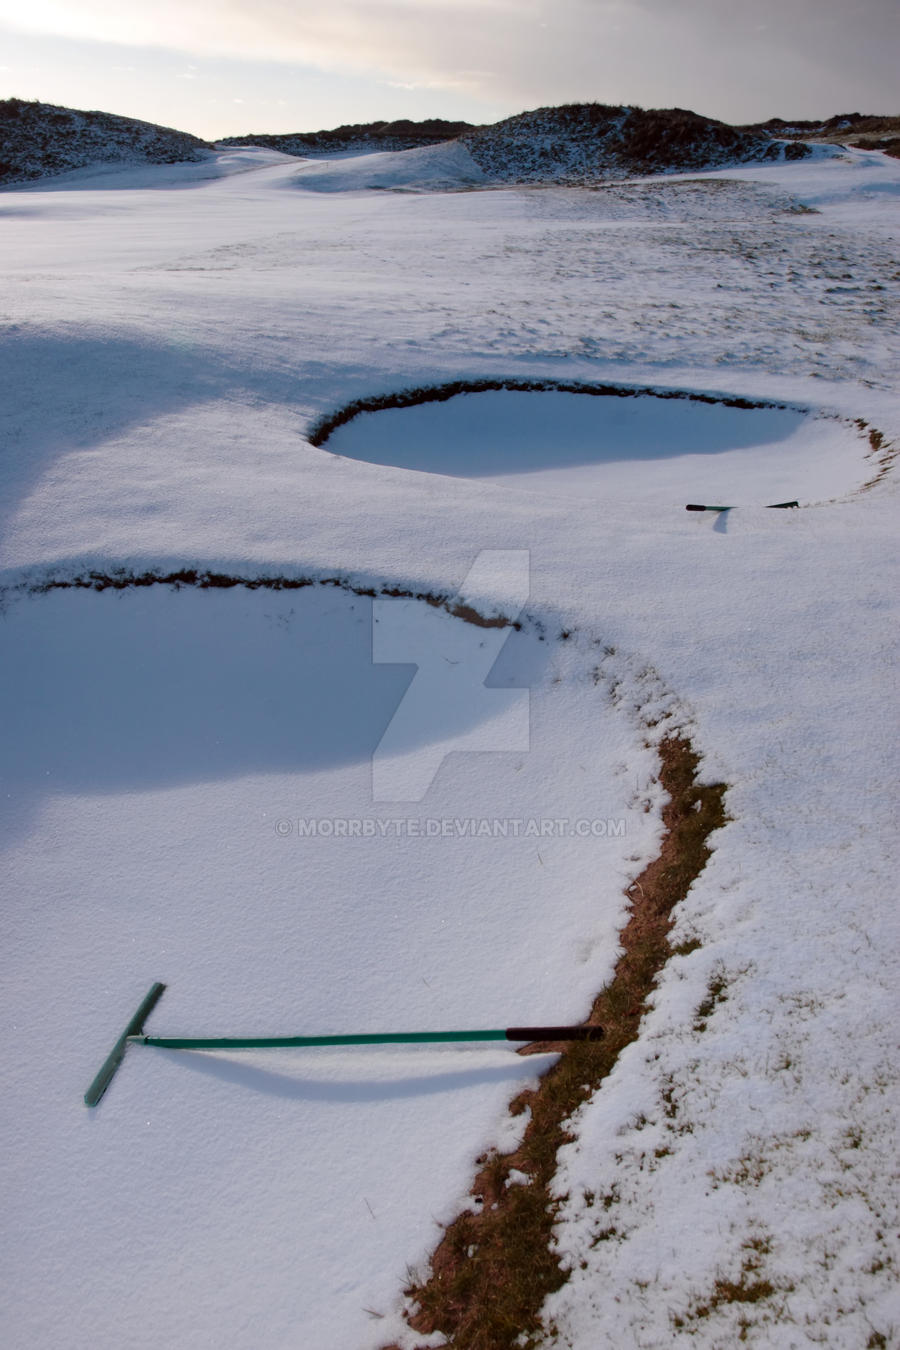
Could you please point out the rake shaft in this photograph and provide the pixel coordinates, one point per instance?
(580, 1033)
(134, 1035)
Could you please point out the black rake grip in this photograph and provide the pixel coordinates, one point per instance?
(554, 1033)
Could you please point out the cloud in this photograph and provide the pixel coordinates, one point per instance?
(708, 54)
(416, 43)
(356, 34)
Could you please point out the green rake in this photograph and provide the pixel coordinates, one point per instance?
(134, 1035)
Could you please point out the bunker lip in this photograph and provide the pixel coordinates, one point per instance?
(183, 678)
(123, 579)
(604, 443)
(323, 428)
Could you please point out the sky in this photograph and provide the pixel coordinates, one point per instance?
(225, 67)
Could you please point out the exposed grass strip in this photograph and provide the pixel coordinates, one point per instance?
(123, 580)
(881, 452)
(495, 1266)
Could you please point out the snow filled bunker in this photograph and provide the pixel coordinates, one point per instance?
(607, 444)
(189, 796)
(330, 768)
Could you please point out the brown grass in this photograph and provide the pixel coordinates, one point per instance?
(882, 453)
(493, 1268)
(122, 580)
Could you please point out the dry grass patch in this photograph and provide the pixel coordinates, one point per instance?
(494, 1266)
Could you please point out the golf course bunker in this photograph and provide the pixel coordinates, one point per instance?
(189, 796)
(152, 686)
(235, 721)
(609, 445)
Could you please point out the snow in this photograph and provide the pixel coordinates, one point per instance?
(445, 166)
(610, 448)
(205, 167)
(167, 342)
(587, 143)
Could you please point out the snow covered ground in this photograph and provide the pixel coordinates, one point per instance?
(168, 338)
(613, 448)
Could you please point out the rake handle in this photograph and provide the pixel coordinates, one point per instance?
(579, 1033)
(554, 1033)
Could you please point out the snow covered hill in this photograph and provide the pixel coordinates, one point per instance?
(447, 167)
(576, 143)
(358, 138)
(864, 131)
(37, 139)
(589, 141)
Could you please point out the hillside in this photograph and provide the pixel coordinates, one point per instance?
(569, 143)
(37, 139)
(359, 137)
(576, 142)
(573, 143)
(861, 130)
(592, 140)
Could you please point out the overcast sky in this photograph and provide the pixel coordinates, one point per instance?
(221, 67)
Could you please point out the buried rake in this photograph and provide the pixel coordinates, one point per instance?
(134, 1035)
(773, 506)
